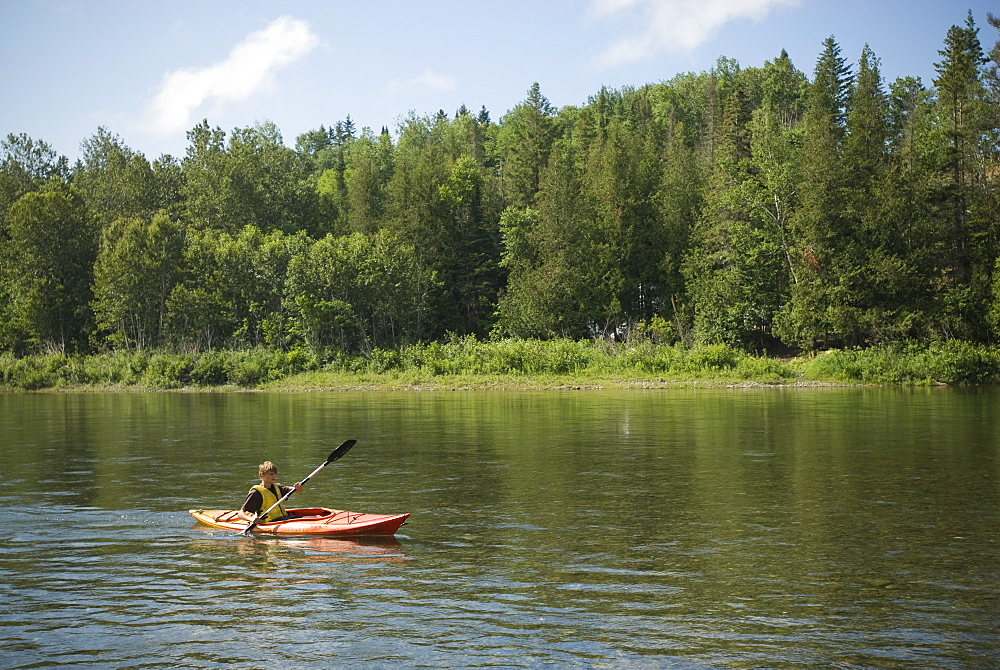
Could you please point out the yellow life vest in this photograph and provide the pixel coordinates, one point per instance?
(267, 500)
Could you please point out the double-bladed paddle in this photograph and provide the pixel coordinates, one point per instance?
(334, 455)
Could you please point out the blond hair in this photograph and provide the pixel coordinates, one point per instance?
(265, 467)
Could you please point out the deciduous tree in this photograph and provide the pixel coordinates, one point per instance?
(49, 261)
(137, 267)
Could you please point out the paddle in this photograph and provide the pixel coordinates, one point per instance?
(334, 455)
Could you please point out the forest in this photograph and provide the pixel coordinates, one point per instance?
(763, 208)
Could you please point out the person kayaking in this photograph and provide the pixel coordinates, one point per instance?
(263, 496)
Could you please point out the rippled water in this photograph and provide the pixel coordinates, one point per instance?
(778, 528)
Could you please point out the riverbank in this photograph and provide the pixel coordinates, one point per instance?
(505, 364)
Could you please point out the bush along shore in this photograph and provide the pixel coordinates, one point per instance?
(512, 363)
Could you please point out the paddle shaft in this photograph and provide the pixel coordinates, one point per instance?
(334, 455)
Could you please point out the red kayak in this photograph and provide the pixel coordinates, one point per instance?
(308, 521)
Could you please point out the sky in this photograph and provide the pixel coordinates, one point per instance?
(150, 71)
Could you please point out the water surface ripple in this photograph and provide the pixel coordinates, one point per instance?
(765, 528)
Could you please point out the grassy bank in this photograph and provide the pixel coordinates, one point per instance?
(468, 363)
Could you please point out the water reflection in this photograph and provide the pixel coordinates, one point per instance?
(319, 549)
(742, 528)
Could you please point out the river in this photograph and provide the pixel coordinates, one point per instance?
(689, 528)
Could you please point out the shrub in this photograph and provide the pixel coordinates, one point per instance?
(648, 357)
(168, 371)
(957, 362)
(247, 368)
(950, 362)
(210, 369)
(300, 360)
(762, 369)
(565, 356)
(712, 358)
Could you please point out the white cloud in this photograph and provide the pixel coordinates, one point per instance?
(247, 70)
(605, 7)
(428, 79)
(675, 25)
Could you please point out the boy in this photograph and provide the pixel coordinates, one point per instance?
(264, 495)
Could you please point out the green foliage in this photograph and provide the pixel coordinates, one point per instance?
(500, 357)
(563, 357)
(713, 358)
(356, 292)
(741, 209)
(994, 313)
(156, 370)
(48, 266)
(168, 371)
(647, 357)
(251, 180)
(25, 374)
(763, 369)
(117, 182)
(25, 166)
(949, 362)
(231, 289)
(137, 268)
(524, 141)
(530, 361)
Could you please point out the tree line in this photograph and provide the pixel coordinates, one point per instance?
(756, 207)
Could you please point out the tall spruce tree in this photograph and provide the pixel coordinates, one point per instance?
(959, 89)
(525, 139)
(966, 172)
(819, 310)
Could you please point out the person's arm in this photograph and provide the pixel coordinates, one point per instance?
(251, 507)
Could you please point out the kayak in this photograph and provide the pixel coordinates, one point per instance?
(320, 521)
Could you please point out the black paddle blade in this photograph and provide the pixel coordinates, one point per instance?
(341, 450)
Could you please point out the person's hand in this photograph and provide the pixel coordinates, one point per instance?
(298, 487)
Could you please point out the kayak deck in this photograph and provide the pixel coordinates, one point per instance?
(308, 521)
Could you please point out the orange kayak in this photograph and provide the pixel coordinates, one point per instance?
(308, 521)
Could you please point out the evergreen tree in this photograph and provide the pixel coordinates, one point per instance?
(749, 206)
(525, 139)
(730, 266)
(967, 170)
(870, 265)
(368, 169)
(549, 252)
(961, 100)
(866, 146)
(831, 87)
(470, 264)
(819, 309)
(784, 91)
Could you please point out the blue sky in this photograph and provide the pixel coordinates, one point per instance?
(149, 71)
